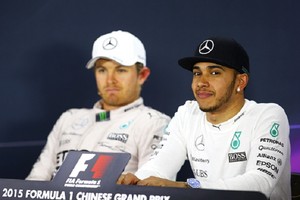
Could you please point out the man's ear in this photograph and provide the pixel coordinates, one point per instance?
(242, 81)
(143, 74)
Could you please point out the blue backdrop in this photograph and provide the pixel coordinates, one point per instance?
(46, 44)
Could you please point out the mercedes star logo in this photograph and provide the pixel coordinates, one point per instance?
(199, 143)
(206, 47)
(110, 43)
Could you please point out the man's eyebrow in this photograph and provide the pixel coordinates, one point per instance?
(210, 67)
(120, 66)
(196, 67)
(98, 66)
(101, 66)
(216, 67)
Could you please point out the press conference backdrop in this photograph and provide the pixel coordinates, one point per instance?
(44, 46)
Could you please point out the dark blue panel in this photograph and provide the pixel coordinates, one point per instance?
(44, 46)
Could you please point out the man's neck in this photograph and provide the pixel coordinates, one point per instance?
(108, 107)
(226, 113)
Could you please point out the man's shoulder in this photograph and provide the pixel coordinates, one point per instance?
(150, 112)
(190, 106)
(265, 111)
(262, 107)
(72, 112)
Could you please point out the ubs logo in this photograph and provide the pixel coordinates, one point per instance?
(200, 173)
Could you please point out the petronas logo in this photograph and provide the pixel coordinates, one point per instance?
(235, 142)
(274, 130)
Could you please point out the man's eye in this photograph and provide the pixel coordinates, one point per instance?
(196, 73)
(122, 70)
(215, 73)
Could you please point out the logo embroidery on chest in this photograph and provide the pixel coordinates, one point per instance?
(122, 137)
(274, 130)
(237, 157)
(80, 123)
(199, 144)
(125, 125)
(103, 116)
(235, 142)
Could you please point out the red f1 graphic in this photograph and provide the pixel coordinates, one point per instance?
(99, 167)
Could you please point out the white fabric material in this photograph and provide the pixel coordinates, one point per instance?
(120, 46)
(134, 128)
(251, 151)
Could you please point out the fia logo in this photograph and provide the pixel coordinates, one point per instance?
(98, 168)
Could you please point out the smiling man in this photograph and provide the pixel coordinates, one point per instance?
(232, 143)
(119, 121)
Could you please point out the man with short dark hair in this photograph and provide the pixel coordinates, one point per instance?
(232, 143)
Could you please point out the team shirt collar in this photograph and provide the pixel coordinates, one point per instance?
(230, 122)
(103, 115)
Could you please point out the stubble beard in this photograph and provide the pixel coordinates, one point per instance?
(219, 102)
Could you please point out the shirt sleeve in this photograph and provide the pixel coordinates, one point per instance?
(168, 158)
(149, 134)
(268, 160)
(44, 167)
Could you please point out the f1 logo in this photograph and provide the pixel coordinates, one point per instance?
(98, 168)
